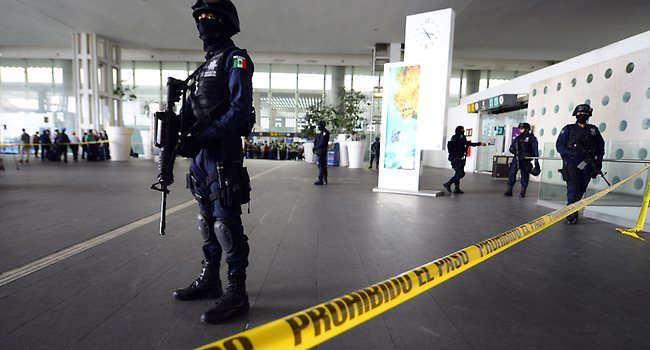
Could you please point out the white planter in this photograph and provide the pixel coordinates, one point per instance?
(343, 150)
(147, 144)
(356, 152)
(120, 142)
(309, 152)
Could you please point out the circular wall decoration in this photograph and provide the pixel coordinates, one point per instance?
(545, 89)
(602, 127)
(590, 78)
(541, 132)
(554, 131)
(558, 87)
(543, 110)
(645, 124)
(532, 112)
(643, 154)
(622, 126)
(616, 180)
(630, 67)
(608, 73)
(549, 174)
(627, 96)
(551, 153)
(534, 92)
(605, 100)
(574, 82)
(556, 109)
(571, 107)
(638, 184)
(588, 102)
(619, 154)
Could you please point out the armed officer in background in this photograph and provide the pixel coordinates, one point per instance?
(523, 146)
(582, 149)
(220, 102)
(457, 148)
(320, 149)
(374, 153)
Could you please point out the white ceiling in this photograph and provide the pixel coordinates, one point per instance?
(510, 29)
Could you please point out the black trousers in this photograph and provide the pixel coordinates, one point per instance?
(374, 157)
(322, 166)
(75, 151)
(459, 167)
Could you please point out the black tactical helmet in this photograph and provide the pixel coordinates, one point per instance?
(583, 108)
(219, 7)
(459, 130)
(321, 124)
(524, 126)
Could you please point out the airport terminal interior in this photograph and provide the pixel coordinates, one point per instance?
(285, 174)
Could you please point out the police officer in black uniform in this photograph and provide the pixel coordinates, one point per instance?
(320, 149)
(220, 103)
(374, 153)
(524, 145)
(457, 148)
(582, 149)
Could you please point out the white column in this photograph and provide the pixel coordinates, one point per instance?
(395, 52)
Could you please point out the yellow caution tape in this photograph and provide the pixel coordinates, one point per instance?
(52, 144)
(640, 222)
(310, 327)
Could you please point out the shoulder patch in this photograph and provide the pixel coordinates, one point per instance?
(239, 62)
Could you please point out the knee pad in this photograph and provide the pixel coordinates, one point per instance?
(229, 240)
(206, 224)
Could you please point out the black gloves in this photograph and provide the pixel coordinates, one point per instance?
(189, 147)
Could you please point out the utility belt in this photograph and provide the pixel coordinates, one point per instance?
(234, 185)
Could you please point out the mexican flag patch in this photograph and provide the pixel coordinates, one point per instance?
(238, 62)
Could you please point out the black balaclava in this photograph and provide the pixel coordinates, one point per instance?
(211, 32)
(460, 130)
(582, 118)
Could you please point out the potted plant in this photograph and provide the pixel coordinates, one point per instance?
(315, 113)
(351, 122)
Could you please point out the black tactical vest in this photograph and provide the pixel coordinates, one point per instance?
(210, 89)
(524, 145)
(585, 137)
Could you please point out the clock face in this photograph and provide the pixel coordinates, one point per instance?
(427, 33)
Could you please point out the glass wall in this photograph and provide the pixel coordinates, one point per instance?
(35, 95)
(38, 94)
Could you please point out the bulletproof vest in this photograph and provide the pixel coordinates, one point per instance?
(585, 137)
(210, 88)
(457, 146)
(524, 145)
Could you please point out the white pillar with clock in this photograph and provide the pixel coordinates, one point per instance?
(414, 113)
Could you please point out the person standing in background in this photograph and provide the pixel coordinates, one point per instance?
(45, 144)
(524, 146)
(321, 145)
(62, 141)
(374, 153)
(35, 142)
(25, 139)
(74, 145)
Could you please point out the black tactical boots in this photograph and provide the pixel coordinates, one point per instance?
(207, 285)
(232, 303)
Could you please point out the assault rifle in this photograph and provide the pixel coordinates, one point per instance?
(169, 131)
(590, 159)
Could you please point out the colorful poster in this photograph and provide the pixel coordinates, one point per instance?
(403, 89)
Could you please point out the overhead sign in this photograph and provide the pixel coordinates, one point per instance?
(493, 103)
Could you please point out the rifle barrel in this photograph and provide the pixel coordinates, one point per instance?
(163, 212)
